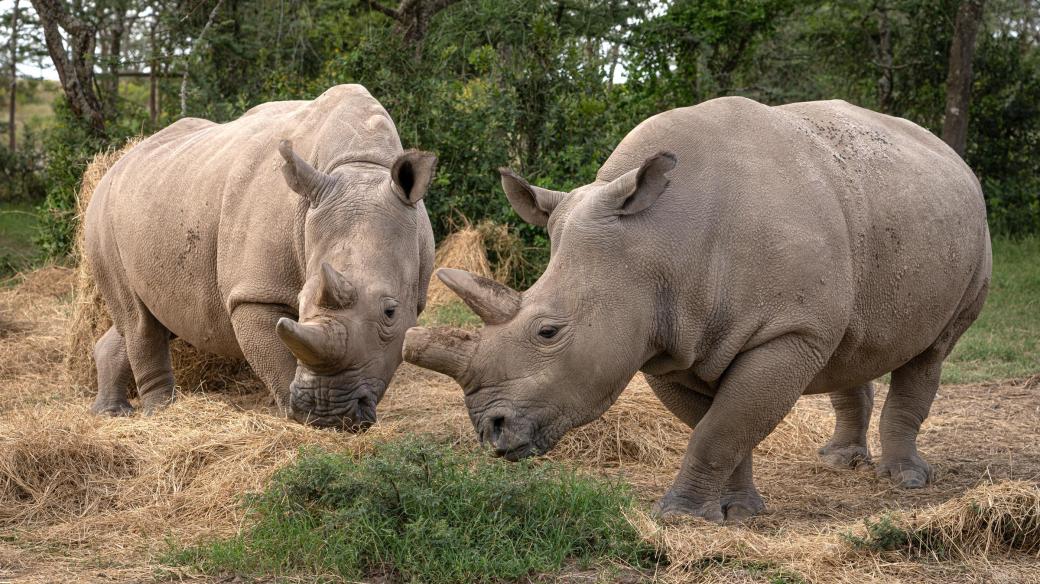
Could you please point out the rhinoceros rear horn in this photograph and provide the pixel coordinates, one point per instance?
(307, 181)
(412, 174)
(446, 351)
(494, 303)
(314, 345)
(334, 291)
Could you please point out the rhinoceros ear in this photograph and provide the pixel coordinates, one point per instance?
(533, 204)
(308, 182)
(637, 189)
(412, 174)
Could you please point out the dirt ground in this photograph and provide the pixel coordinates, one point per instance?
(98, 500)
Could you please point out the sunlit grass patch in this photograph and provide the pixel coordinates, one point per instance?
(1005, 341)
(419, 511)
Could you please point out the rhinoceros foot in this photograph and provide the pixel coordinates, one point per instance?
(672, 508)
(742, 505)
(850, 456)
(910, 472)
(116, 408)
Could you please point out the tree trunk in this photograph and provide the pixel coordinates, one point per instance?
(958, 77)
(12, 140)
(885, 61)
(153, 77)
(187, 58)
(413, 18)
(75, 66)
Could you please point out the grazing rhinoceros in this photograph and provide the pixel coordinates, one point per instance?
(740, 256)
(221, 235)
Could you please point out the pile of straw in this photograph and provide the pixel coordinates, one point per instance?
(468, 248)
(991, 518)
(192, 369)
(72, 478)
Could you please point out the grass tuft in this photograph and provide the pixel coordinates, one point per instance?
(414, 510)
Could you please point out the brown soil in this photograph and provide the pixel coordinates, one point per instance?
(96, 500)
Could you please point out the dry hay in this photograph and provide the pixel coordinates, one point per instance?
(990, 518)
(637, 429)
(77, 492)
(467, 248)
(192, 369)
(72, 478)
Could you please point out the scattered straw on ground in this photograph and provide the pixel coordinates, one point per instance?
(96, 499)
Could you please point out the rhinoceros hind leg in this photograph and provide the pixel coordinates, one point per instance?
(848, 448)
(114, 375)
(910, 397)
(148, 349)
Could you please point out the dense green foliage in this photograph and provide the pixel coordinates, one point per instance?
(550, 87)
(420, 512)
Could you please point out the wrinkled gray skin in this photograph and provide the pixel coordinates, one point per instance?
(740, 256)
(223, 234)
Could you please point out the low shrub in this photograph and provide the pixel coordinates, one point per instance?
(414, 510)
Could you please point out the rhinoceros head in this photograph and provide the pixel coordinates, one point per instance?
(557, 356)
(362, 290)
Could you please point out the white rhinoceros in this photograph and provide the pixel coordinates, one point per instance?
(740, 256)
(222, 234)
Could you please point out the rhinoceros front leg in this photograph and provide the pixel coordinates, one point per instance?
(267, 355)
(758, 390)
(740, 499)
(848, 448)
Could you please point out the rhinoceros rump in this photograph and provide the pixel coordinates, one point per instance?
(221, 234)
(740, 256)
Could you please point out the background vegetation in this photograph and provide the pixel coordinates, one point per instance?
(547, 87)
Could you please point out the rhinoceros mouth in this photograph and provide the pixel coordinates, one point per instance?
(326, 405)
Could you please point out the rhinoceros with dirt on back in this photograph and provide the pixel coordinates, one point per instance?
(740, 256)
(222, 234)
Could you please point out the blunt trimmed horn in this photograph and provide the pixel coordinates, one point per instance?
(334, 291)
(494, 303)
(446, 351)
(314, 345)
(307, 181)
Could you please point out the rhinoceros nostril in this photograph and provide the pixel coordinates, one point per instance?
(496, 429)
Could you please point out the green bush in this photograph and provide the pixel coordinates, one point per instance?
(422, 512)
(20, 178)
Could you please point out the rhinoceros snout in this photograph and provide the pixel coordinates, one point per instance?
(352, 409)
(509, 437)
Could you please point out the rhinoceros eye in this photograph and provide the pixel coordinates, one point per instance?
(389, 312)
(548, 331)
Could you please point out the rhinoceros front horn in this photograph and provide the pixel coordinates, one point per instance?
(494, 303)
(314, 345)
(446, 351)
